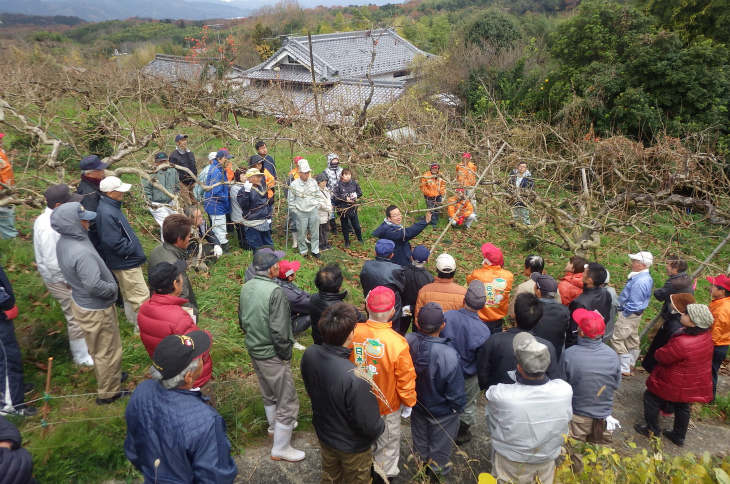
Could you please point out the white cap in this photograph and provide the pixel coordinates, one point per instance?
(304, 166)
(211, 155)
(644, 257)
(113, 184)
(445, 263)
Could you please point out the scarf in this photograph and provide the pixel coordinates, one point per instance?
(632, 274)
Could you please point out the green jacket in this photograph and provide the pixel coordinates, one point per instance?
(169, 253)
(168, 179)
(264, 316)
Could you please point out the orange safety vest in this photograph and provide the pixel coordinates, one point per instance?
(463, 208)
(466, 176)
(498, 284)
(432, 185)
(7, 176)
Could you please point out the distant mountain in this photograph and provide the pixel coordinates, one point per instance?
(100, 10)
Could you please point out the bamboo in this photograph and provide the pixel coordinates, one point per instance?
(46, 406)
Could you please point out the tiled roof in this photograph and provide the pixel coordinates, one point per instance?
(345, 55)
(175, 68)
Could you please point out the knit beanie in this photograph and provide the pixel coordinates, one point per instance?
(700, 315)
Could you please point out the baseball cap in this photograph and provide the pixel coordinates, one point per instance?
(164, 273)
(421, 253)
(83, 213)
(381, 299)
(113, 184)
(223, 154)
(177, 351)
(466, 155)
(430, 317)
(253, 172)
(211, 156)
(384, 247)
(263, 260)
(180, 136)
(320, 178)
(493, 254)
(60, 194)
(643, 257)
(476, 295)
(544, 282)
(2, 135)
(161, 156)
(92, 162)
(532, 355)
(287, 268)
(445, 263)
(435, 164)
(590, 322)
(721, 281)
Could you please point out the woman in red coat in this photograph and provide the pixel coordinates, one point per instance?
(683, 374)
(571, 286)
(163, 315)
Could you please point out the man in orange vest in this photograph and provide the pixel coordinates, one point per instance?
(7, 178)
(498, 284)
(433, 187)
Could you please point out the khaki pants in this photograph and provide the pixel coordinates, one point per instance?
(591, 430)
(277, 388)
(626, 333)
(343, 468)
(186, 193)
(507, 471)
(471, 385)
(386, 450)
(101, 332)
(62, 293)
(654, 330)
(133, 288)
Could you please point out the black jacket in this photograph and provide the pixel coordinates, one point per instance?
(345, 412)
(122, 249)
(186, 160)
(416, 278)
(91, 193)
(254, 204)
(16, 464)
(677, 284)
(592, 298)
(671, 325)
(553, 326)
(498, 358)
(299, 299)
(383, 272)
(317, 304)
(339, 196)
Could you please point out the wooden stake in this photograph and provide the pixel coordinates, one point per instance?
(46, 406)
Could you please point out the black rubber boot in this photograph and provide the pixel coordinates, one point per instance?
(463, 436)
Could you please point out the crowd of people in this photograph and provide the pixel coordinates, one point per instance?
(547, 354)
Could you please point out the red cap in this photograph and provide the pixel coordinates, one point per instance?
(466, 155)
(287, 268)
(436, 165)
(381, 299)
(2, 135)
(459, 189)
(590, 322)
(493, 253)
(721, 281)
(297, 158)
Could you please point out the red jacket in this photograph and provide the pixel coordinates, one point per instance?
(163, 315)
(570, 287)
(684, 369)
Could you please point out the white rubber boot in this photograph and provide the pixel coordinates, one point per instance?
(131, 315)
(282, 449)
(270, 417)
(634, 356)
(294, 241)
(625, 364)
(80, 352)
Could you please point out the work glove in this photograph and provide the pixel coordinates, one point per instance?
(460, 221)
(247, 186)
(11, 313)
(217, 251)
(406, 411)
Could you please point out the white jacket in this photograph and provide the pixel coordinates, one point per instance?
(528, 423)
(325, 206)
(44, 244)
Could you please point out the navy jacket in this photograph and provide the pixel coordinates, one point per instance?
(16, 464)
(554, 324)
(592, 299)
(177, 427)
(466, 333)
(383, 272)
(121, 247)
(439, 379)
(186, 160)
(345, 412)
(401, 236)
(7, 296)
(594, 371)
(254, 205)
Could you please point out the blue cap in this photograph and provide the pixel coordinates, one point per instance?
(421, 253)
(384, 247)
(92, 162)
(180, 136)
(223, 154)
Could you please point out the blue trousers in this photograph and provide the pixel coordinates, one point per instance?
(256, 238)
(12, 386)
(718, 356)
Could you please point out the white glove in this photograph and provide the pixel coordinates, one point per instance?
(612, 424)
(354, 195)
(406, 411)
(247, 186)
(217, 251)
